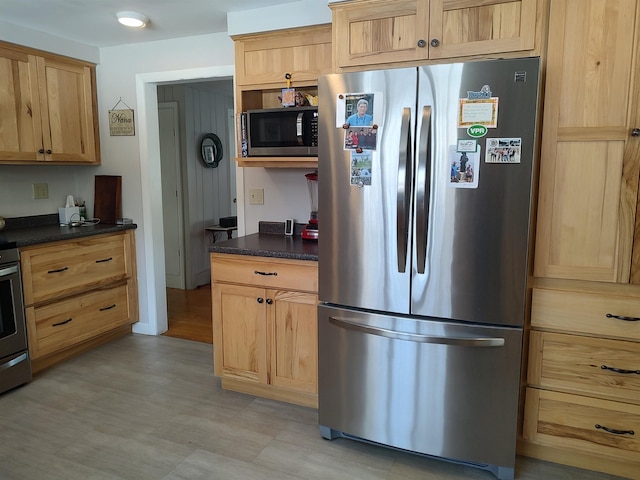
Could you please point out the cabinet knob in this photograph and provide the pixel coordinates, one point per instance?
(269, 301)
(435, 42)
(422, 43)
(41, 150)
(260, 299)
(48, 152)
(635, 132)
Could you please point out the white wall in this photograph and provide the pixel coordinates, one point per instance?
(132, 73)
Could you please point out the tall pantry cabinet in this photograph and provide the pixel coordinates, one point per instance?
(582, 403)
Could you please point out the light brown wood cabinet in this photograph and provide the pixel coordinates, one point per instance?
(265, 326)
(375, 32)
(48, 107)
(582, 404)
(584, 340)
(589, 168)
(78, 293)
(262, 60)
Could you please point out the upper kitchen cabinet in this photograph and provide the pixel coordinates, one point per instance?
(373, 32)
(264, 60)
(48, 108)
(591, 144)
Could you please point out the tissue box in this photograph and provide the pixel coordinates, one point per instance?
(68, 215)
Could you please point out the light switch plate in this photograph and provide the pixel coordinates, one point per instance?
(256, 196)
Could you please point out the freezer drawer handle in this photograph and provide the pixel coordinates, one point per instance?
(620, 317)
(614, 431)
(411, 337)
(620, 370)
(266, 274)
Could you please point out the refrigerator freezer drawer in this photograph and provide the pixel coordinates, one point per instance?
(432, 387)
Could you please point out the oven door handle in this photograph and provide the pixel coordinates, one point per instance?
(13, 362)
(4, 272)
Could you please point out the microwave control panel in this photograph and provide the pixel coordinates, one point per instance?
(314, 130)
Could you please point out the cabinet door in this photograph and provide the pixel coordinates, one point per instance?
(240, 332)
(369, 33)
(20, 127)
(294, 340)
(589, 167)
(460, 28)
(266, 58)
(67, 102)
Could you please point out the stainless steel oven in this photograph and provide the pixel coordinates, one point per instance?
(15, 366)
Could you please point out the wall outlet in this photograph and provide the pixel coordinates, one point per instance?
(40, 191)
(256, 196)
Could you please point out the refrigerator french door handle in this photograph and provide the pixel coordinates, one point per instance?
(412, 337)
(404, 190)
(423, 189)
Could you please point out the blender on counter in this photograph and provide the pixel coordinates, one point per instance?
(310, 230)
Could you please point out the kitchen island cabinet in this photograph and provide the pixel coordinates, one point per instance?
(264, 313)
(376, 32)
(48, 107)
(78, 294)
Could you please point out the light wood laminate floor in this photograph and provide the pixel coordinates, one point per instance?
(144, 407)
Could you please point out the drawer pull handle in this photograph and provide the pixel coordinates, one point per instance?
(619, 370)
(59, 270)
(108, 308)
(620, 317)
(614, 431)
(266, 274)
(62, 323)
(104, 260)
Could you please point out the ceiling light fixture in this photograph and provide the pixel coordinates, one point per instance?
(132, 19)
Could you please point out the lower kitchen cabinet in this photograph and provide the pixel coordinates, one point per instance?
(582, 405)
(265, 326)
(78, 293)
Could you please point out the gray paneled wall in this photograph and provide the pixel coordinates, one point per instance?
(207, 193)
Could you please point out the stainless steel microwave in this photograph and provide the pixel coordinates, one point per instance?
(282, 132)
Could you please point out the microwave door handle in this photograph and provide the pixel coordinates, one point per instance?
(404, 190)
(422, 189)
(299, 128)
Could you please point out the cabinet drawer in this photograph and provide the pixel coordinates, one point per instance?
(574, 422)
(265, 272)
(59, 325)
(68, 267)
(586, 313)
(575, 363)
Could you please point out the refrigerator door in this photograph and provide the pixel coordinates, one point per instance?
(364, 245)
(471, 253)
(433, 387)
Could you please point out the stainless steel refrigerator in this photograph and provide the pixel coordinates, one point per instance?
(424, 255)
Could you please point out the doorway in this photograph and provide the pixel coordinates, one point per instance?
(195, 196)
(153, 305)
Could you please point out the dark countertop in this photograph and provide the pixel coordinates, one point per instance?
(269, 245)
(38, 232)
